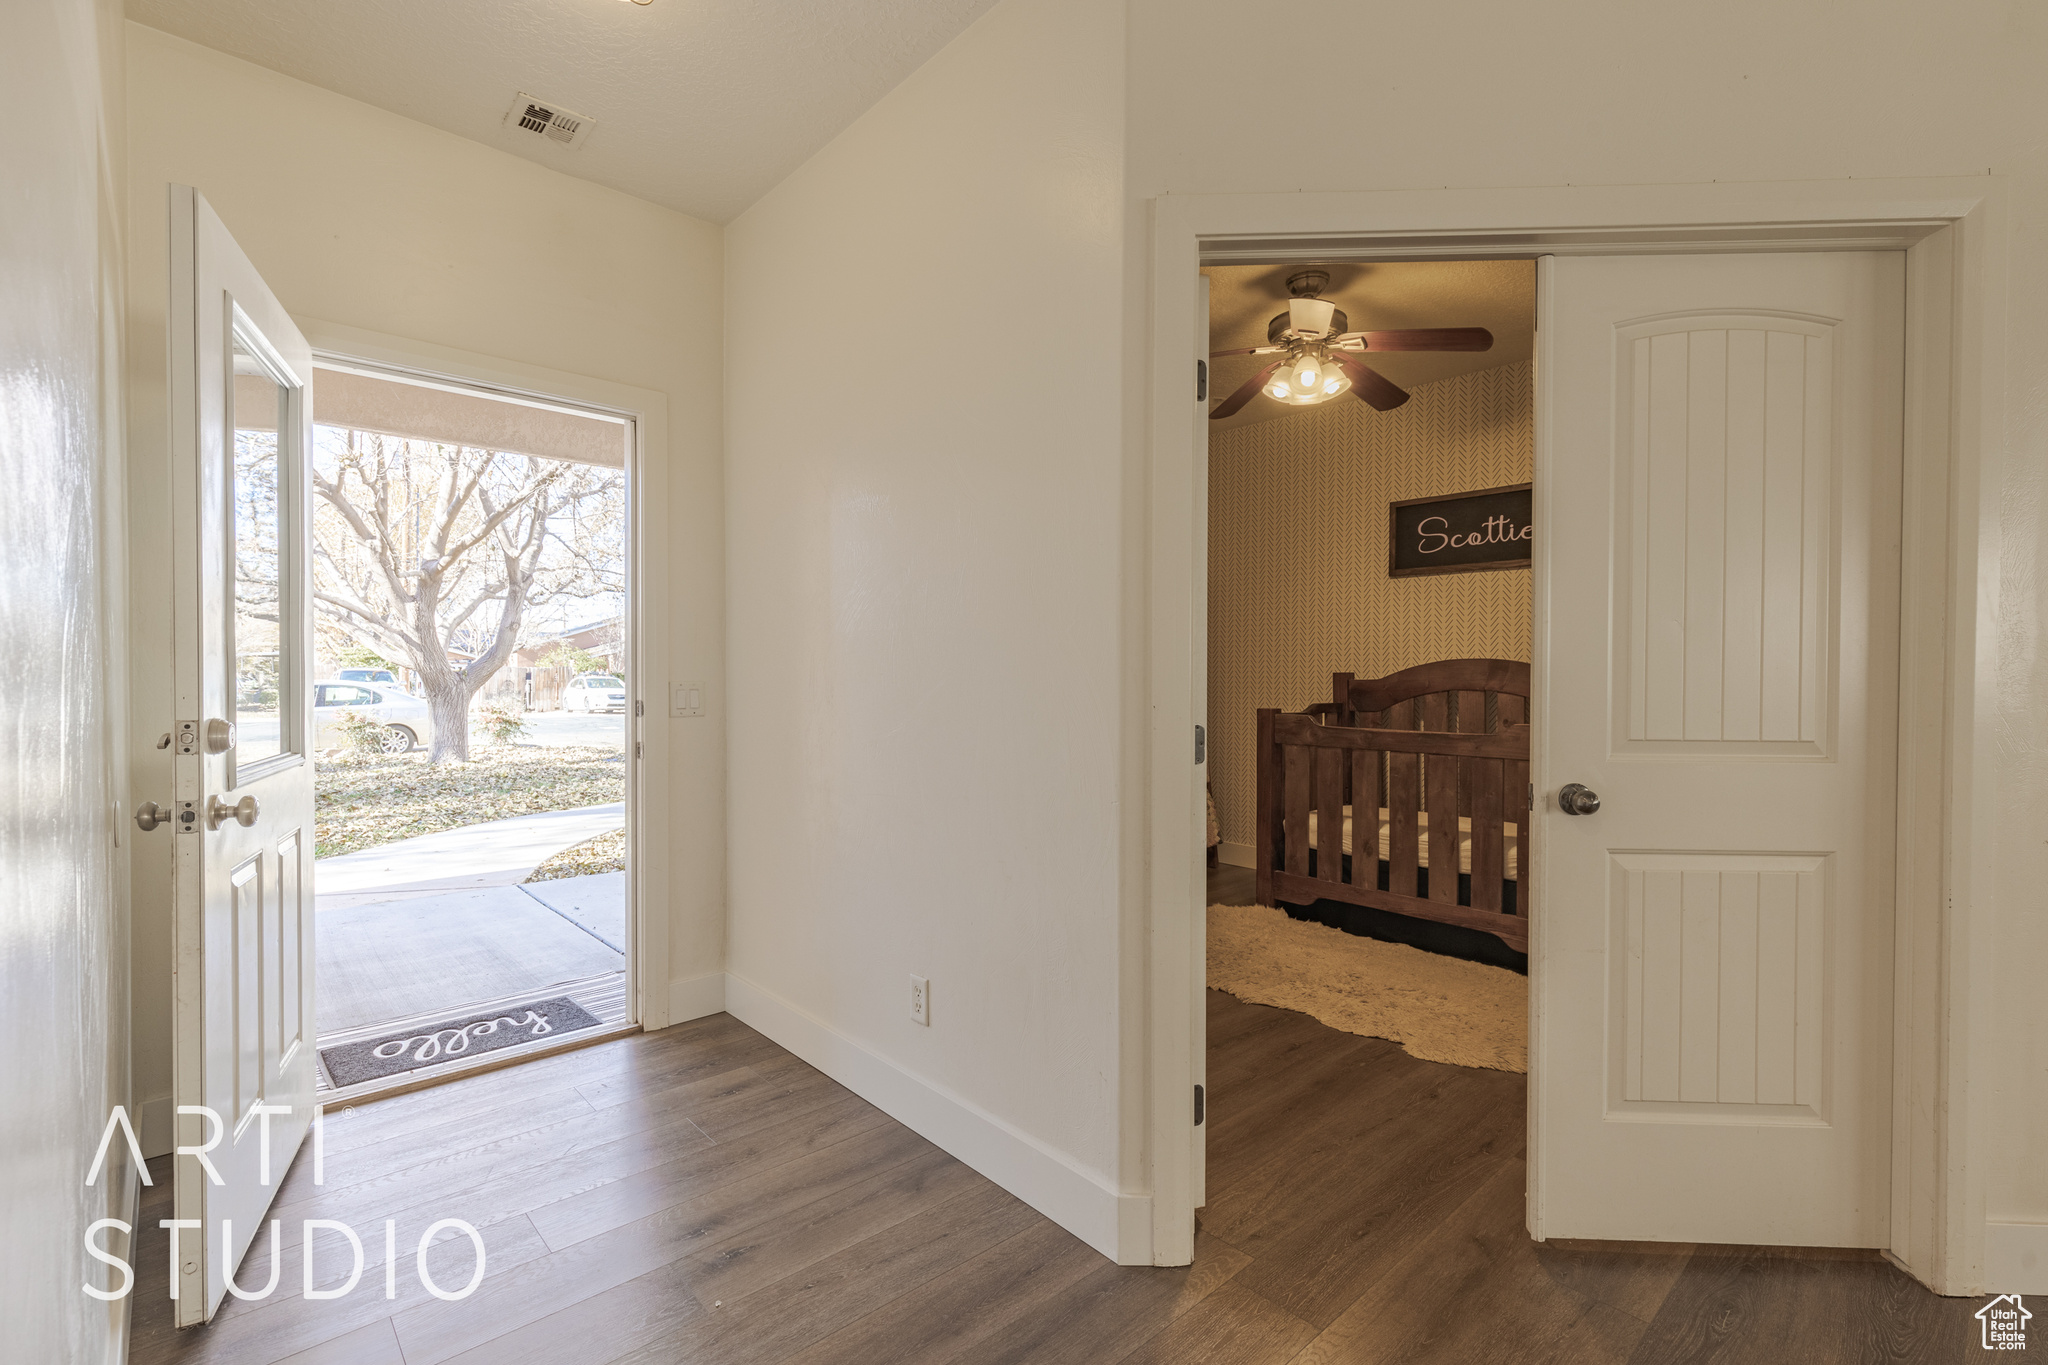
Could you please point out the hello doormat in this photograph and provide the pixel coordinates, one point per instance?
(372, 1058)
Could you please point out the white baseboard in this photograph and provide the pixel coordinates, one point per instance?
(695, 997)
(2016, 1258)
(1118, 1226)
(1236, 855)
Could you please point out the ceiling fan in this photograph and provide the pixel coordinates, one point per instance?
(1315, 354)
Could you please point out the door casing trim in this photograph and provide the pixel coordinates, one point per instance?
(1952, 230)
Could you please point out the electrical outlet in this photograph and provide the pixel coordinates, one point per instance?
(920, 1000)
(686, 699)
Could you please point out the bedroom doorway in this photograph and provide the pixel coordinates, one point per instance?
(1726, 716)
(1369, 629)
(1860, 629)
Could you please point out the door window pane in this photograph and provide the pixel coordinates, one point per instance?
(260, 411)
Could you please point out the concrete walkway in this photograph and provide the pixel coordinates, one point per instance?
(496, 853)
(398, 958)
(442, 921)
(595, 904)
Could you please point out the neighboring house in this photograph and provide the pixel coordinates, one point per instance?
(536, 684)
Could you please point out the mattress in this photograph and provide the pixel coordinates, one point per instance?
(1511, 839)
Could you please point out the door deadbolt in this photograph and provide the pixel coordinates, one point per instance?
(1576, 799)
(243, 812)
(220, 735)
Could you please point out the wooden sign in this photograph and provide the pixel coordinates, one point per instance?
(1461, 533)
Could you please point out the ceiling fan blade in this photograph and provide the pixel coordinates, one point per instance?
(1248, 350)
(1425, 339)
(1369, 384)
(1229, 406)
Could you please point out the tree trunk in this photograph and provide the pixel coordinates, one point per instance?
(448, 705)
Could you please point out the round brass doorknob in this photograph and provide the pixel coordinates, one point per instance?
(149, 815)
(243, 812)
(1575, 799)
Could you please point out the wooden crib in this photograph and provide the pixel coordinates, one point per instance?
(1436, 760)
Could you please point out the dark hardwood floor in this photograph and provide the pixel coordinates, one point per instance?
(699, 1195)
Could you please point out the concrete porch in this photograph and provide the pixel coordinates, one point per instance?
(424, 929)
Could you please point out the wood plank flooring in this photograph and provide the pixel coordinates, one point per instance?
(699, 1195)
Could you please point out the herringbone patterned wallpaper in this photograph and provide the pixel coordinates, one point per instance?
(1298, 585)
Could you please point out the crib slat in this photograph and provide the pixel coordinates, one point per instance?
(1440, 793)
(1404, 800)
(1294, 803)
(1514, 798)
(1365, 818)
(1329, 779)
(1471, 720)
(1488, 850)
(1476, 778)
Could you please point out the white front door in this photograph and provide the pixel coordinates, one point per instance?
(242, 819)
(1717, 583)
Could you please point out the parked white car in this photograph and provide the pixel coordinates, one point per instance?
(595, 692)
(406, 719)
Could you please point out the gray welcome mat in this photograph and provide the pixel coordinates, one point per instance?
(353, 1063)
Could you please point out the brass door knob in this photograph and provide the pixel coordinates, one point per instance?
(243, 812)
(149, 815)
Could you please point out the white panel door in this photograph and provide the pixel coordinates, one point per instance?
(242, 820)
(1718, 598)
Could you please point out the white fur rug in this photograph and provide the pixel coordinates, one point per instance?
(1441, 1009)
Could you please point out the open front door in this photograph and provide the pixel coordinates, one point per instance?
(242, 818)
(1718, 580)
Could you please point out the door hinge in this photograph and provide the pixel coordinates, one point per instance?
(639, 708)
(1532, 797)
(1201, 381)
(1201, 744)
(1200, 1108)
(636, 748)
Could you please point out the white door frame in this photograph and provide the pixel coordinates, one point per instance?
(1952, 231)
(647, 602)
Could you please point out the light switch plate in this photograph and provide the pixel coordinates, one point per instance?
(686, 699)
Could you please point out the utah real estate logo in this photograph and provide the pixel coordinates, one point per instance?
(2005, 1323)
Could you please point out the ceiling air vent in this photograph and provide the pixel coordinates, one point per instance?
(548, 120)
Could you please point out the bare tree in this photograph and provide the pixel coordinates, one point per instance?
(421, 549)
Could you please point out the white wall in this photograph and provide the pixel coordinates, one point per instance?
(365, 219)
(62, 916)
(1499, 93)
(924, 529)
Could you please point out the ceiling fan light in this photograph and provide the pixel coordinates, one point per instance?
(1278, 390)
(1333, 385)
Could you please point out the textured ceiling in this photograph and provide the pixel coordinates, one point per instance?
(1497, 295)
(701, 105)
